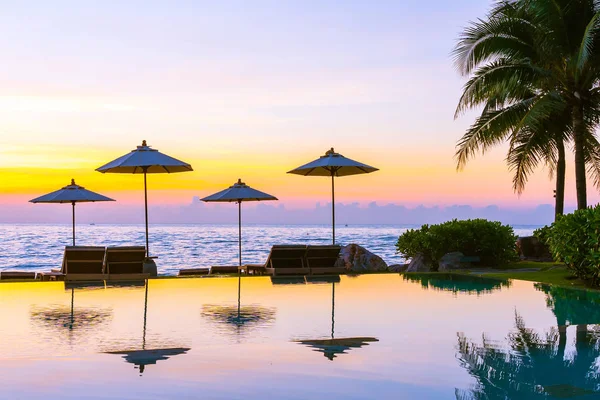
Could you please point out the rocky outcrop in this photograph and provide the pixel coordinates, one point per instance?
(398, 267)
(418, 264)
(356, 258)
(530, 248)
(451, 261)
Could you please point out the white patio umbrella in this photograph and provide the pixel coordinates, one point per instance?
(333, 164)
(72, 193)
(144, 160)
(238, 193)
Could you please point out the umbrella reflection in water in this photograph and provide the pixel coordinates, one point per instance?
(239, 317)
(143, 357)
(334, 346)
(70, 319)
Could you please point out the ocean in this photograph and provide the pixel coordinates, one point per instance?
(39, 247)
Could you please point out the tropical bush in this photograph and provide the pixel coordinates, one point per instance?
(491, 241)
(543, 233)
(575, 240)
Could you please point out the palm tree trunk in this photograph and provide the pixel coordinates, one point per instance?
(562, 340)
(559, 193)
(579, 137)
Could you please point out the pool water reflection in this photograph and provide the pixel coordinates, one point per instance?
(382, 336)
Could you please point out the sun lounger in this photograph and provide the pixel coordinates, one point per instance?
(285, 260)
(322, 259)
(288, 280)
(83, 263)
(194, 271)
(224, 269)
(322, 279)
(125, 263)
(17, 275)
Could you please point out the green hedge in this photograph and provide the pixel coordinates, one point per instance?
(575, 240)
(491, 241)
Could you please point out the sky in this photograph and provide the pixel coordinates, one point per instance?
(244, 90)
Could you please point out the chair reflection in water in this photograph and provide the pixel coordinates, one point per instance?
(332, 347)
(141, 357)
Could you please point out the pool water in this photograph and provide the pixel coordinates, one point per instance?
(364, 337)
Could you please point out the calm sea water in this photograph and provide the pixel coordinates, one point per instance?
(366, 337)
(40, 247)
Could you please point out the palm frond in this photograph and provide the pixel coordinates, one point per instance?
(504, 34)
(489, 129)
(497, 84)
(588, 43)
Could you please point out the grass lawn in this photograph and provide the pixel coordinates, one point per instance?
(545, 272)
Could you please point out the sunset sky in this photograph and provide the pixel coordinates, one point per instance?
(244, 90)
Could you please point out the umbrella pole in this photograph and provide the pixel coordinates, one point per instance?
(73, 204)
(333, 204)
(146, 209)
(240, 230)
(240, 255)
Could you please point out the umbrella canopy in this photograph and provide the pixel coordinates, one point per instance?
(238, 193)
(72, 193)
(333, 164)
(145, 160)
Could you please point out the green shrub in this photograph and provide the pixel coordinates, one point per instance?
(491, 241)
(575, 240)
(543, 234)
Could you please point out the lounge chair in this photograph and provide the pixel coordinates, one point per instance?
(17, 275)
(285, 260)
(125, 263)
(224, 269)
(83, 263)
(194, 271)
(322, 259)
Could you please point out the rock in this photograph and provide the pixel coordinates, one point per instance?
(451, 261)
(530, 248)
(150, 268)
(418, 264)
(398, 267)
(358, 259)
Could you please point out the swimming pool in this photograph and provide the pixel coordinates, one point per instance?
(365, 337)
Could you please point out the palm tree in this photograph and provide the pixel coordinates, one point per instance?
(531, 90)
(532, 367)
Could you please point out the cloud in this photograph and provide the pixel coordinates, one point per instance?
(263, 213)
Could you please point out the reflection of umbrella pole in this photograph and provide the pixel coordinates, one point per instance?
(73, 203)
(145, 314)
(239, 294)
(333, 203)
(146, 208)
(332, 308)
